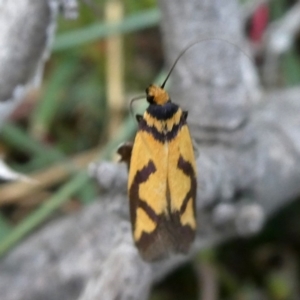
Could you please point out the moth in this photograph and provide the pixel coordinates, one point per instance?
(162, 178)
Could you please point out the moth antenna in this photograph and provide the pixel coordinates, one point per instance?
(198, 42)
(133, 100)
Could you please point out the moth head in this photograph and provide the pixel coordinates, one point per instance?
(157, 95)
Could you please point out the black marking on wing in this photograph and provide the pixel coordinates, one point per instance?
(162, 136)
(135, 202)
(188, 170)
(168, 237)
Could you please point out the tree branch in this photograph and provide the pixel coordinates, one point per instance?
(27, 31)
(248, 168)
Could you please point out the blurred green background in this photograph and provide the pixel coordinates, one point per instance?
(58, 129)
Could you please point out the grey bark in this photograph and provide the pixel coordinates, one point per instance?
(23, 42)
(26, 35)
(248, 168)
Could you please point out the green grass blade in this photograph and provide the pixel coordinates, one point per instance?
(291, 67)
(98, 31)
(43, 155)
(16, 137)
(46, 109)
(64, 194)
(88, 193)
(4, 226)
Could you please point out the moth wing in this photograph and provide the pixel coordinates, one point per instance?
(182, 188)
(147, 187)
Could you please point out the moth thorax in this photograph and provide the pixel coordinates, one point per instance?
(157, 95)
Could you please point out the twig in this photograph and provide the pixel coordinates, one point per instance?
(15, 191)
(114, 68)
(279, 39)
(208, 285)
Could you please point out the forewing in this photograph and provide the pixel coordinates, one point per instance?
(147, 187)
(182, 188)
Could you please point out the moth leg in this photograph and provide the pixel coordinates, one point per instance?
(125, 150)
